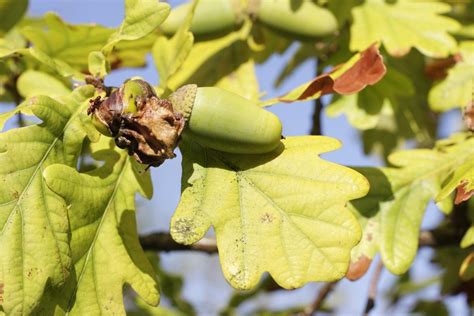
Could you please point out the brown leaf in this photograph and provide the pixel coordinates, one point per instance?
(438, 69)
(359, 268)
(461, 194)
(367, 70)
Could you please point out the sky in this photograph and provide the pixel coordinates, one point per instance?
(204, 284)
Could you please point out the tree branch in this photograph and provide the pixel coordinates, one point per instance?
(164, 242)
(318, 302)
(373, 288)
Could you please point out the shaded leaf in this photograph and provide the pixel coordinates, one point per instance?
(243, 81)
(104, 241)
(398, 198)
(362, 69)
(456, 89)
(34, 240)
(403, 25)
(363, 109)
(468, 238)
(11, 11)
(266, 208)
(466, 272)
(463, 180)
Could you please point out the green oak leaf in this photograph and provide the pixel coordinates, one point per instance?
(456, 89)
(104, 241)
(33, 82)
(34, 229)
(141, 18)
(242, 81)
(283, 212)
(68, 43)
(210, 60)
(170, 54)
(403, 25)
(398, 198)
(11, 11)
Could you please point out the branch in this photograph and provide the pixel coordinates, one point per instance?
(318, 302)
(164, 242)
(373, 287)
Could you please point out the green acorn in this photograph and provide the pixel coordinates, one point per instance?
(221, 120)
(210, 16)
(307, 20)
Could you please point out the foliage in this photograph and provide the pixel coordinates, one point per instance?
(68, 236)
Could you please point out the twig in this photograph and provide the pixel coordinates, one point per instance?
(427, 239)
(163, 242)
(318, 302)
(317, 128)
(373, 287)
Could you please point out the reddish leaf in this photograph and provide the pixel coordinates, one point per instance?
(438, 69)
(359, 268)
(461, 194)
(365, 68)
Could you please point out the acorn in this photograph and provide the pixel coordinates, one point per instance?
(307, 20)
(224, 121)
(209, 17)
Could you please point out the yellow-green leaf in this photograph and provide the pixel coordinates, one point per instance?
(456, 91)
(68, 43)
(399, 195)
(104, 241)
(403, 25)
(170, 54)
(141, 18)
(34, 227)
(33, 82)
(283, 212)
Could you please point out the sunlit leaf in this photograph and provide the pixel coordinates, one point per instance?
(68, 43)
(403, 25)
(398, 198)
(104, 241)
(141, 18)
(34, 236)
(282, 212)
(170, 54)
(32, 83)
(210, 60)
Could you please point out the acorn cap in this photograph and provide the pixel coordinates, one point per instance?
(183, 100)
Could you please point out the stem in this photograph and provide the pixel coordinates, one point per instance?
(317, 128)
(318, 302)
(164, 242)
(373, 287)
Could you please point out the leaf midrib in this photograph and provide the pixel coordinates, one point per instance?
(89, 252)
